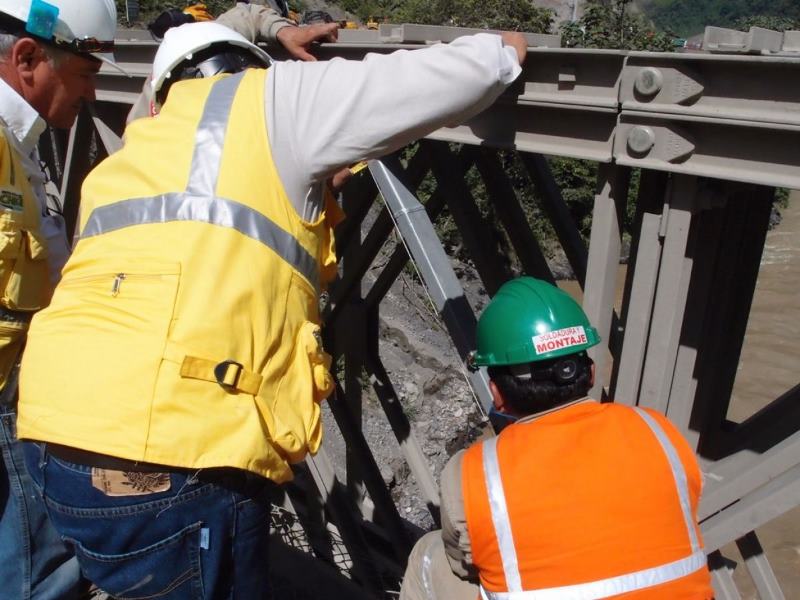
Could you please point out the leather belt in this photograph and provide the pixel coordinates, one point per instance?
(103, 461)
(231, 478)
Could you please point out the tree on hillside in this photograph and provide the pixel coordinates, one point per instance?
(149, 9)
(767, 22)
(610, 24)
(689, 17)
(521, 15)
(366, 9)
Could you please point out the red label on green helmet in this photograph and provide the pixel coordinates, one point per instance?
(530, 320)
(559, 339)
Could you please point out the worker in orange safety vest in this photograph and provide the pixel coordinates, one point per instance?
(574, 499)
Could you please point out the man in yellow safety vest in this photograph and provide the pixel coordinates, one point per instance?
(182, 352)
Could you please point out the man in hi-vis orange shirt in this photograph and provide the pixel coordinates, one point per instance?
(574, 499)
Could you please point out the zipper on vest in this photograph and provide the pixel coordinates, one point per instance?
(117, 278)
(117, 284)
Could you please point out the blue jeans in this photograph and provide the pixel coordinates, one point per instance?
(34, 562)
(206, 537)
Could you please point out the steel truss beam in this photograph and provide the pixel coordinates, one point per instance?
(730, 117)
(425, 248)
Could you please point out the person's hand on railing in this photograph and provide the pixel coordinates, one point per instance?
(517, 41)
(298, 40)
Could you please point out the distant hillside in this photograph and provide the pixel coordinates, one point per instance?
(683, 17)
(688, 17)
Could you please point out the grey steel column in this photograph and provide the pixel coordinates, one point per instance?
(670, 301)
(603, 263)
(441, 282)
(642, 277)
(722, 577)
(553, 203)
(706, 236)
(475, 232)
(759, 568)
(392, 408)
(334, 496)
(510, 213)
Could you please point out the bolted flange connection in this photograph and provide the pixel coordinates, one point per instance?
(649, 81)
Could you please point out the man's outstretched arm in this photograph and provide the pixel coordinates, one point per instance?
(327, 114)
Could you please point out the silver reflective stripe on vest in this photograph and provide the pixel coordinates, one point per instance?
(214, 211)
(210, 137)
(593, 590)
(502, 526)
(678, 472)
(199, 202)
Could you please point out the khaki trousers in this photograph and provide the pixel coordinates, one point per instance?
(429, 577)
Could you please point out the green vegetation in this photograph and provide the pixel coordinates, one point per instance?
(611, 24)
(150, 9)
(689, 17)
(767, 22)
(521, 15)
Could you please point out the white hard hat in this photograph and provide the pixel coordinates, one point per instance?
(83, 26)
(182, 43)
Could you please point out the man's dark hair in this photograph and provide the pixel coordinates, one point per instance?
(542, 385)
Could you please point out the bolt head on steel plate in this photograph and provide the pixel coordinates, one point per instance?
(641, 139)
(649, 81)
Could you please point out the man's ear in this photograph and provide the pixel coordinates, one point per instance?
(25, 56)
(592, 381)
(497, 396)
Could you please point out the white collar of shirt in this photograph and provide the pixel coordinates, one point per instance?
(20, 118)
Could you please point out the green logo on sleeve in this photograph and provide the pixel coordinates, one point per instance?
(12, 200)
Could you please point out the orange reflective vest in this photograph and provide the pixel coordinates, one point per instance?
(590, 501)
(185, 330)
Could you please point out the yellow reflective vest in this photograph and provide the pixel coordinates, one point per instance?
(24, 281)
(185, 329)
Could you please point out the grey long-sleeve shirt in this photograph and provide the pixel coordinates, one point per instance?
(324, 115)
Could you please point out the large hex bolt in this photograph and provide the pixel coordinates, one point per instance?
(649, 81)
(641, 139)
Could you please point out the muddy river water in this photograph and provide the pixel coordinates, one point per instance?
(769, 366)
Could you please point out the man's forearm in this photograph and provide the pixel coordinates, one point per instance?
(256, 23)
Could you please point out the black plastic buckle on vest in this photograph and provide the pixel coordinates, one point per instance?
(227, 379)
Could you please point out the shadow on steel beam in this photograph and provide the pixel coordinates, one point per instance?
(736, 233)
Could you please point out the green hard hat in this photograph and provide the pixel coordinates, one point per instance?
(529, 320)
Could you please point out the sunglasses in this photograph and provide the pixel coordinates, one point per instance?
(88, 45)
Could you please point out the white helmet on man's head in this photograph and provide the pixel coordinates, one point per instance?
(184, 45)
(80, 26)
